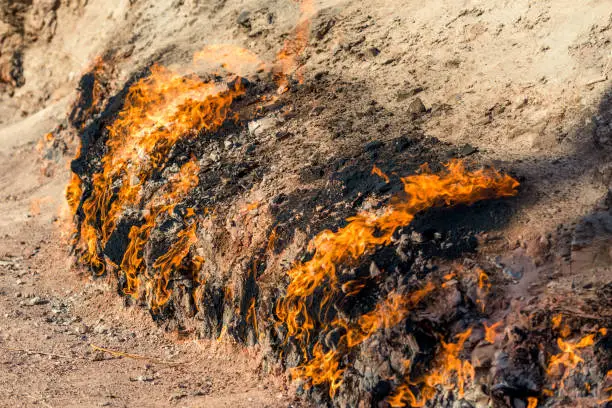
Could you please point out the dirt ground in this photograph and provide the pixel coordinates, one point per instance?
(522, 84)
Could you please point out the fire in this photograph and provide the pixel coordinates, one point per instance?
(159, 110)
(569, 358)
(252, 316)
(491, 331)
(387, 314)
(234, 59)
(564, 330)
(368, 230)
(449, 371)
(324, 367)
(288, 56)
(532, 402)
(452, 371)
(157, 286)
(379, 173)
(484, 285)
(133, 264)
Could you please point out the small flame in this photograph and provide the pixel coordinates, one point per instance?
(378, 172)
(449, 371)
(491, 331)
(292, 49)
(252, 316)
(532, 402)
(569, 358)
(324, 367)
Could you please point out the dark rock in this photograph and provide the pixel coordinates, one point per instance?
(244, 19)
(402, 143)
(592, 227)
(372, 146)
(482, 356)
(372, 52)
(282, 135)
(403, 95)
(323, 28)
(467, 150)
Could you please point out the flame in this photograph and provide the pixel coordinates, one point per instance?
(324, 367)
(491, 331)
(378, 172)
(159, 110)
(484, 285)
(449, 372)
(532, 402)
(287, 57)
(272, 241)
(252, 316)
(569, 358)
(157, 287)
(387, 314)
(235, 59)
(449, 364)
(608, 389)
(133, 264)
(565, 330)
(367, 230)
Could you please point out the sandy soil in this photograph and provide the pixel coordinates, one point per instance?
(522, 82)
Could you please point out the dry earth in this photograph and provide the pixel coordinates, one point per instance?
(522, 84)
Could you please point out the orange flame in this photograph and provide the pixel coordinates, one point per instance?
(569, 358)
(532, 402)
(491, 331)
(449, 372)
(379, 173)
(367, 230)
(133, 264)
(324, 367)
(294, 47)
(159, 110)
(252, 316)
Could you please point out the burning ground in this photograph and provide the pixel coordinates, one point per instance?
(247, 200)
(177, 197)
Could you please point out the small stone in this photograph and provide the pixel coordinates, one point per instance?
(416, 237)
(372, 52)
(374, 145)
(417, 107)
(244, 19)
(467, 150)
(36, 301)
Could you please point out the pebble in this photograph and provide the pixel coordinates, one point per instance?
(417, 107)
(36, 301)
